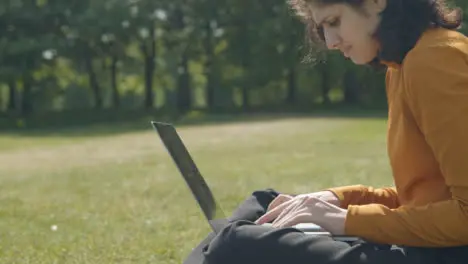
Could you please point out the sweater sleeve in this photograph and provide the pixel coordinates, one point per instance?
(361, 195)
(436, 88)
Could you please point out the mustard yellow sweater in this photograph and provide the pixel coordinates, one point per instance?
(428, 150)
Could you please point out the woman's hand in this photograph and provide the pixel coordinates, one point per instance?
(306, 209)
(327, 196)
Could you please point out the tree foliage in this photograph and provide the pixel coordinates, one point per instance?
(167, 54)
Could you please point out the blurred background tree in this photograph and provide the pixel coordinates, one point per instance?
(168, 56)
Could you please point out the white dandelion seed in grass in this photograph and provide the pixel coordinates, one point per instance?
(54, 228)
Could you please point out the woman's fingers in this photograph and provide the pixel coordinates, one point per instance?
(285, 207)
(282, 198)
(289, 212)
(298, 217)
(272, 214)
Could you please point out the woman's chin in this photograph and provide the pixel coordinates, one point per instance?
(361, 60)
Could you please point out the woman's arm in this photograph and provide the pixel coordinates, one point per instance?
(436, 88)
(361, 195)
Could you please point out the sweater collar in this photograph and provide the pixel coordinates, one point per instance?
(391, 64)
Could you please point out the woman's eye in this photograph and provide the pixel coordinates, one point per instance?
(334, 23)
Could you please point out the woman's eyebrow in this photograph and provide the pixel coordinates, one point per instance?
(320, 23)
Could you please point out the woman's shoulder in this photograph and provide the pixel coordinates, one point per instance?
(437, 67)
(440, 37)
(437, 46)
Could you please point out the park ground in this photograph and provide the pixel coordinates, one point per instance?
(113, 195)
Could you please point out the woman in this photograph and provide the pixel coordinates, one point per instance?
(424, 218)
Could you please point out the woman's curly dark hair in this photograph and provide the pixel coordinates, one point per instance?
(402, 23)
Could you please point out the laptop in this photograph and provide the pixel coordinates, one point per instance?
(200, 189)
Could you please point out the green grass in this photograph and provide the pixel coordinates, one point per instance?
(118, 198)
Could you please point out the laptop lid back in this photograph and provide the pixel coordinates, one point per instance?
(191, 175)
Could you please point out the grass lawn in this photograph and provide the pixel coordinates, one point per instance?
(119, 198)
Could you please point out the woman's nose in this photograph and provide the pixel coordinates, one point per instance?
(332, 40)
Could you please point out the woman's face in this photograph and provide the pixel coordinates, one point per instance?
(351, 31)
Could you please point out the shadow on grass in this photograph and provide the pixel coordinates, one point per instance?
(111, 122)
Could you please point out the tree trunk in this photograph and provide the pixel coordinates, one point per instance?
(351, 88)
(184, 96)
(293, 55)
(115, 89)
(93, 82)
(150, 66)
(292, 85)
(11, 107)
(26, 98)
(325, 83)
(245, 39)
(149, 70)
(209, 73)
(246, 94)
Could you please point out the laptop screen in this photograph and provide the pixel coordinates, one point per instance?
(191, 175)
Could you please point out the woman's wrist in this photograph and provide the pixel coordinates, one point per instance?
(333, 219)
(333, 198)
(339, 220)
